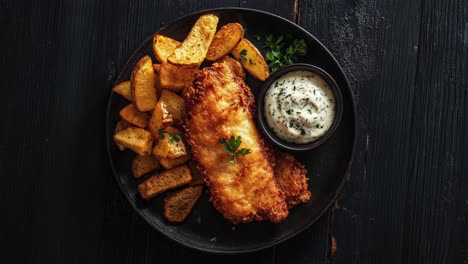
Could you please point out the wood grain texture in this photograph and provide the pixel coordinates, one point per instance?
(407, 198)
(437, 205)
(283, 8)
(310, 246)
(382, 64)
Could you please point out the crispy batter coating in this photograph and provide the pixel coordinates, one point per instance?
(220, 105)
(290, 175)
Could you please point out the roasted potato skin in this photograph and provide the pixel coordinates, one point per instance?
(121, 125)
(171, 163)
(133, 116)
(160, 119)
(164, 181)
(253, 61)
(175, 78)
(142, 165)
(136, 139)
(178, 205)
(163, 47)
(124, 90)
(143, 85)
(165, 149)
(192, 51)
(157, 67)
(168, 148)
(224, 41)
(175, 105)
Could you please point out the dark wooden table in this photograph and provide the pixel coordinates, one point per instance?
(407, 197)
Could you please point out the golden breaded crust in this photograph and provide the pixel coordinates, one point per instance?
(290, 175)
(220, 105)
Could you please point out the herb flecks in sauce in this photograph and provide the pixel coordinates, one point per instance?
(299, 107)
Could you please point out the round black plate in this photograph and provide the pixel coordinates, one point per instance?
(328, 165)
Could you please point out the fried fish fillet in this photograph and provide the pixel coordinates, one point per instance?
(290, 176)
(220, 105)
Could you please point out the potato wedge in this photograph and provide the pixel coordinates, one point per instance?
(197, 175)
(134, 117)
(121, 125)
(225, 40)
(142, 165)
(143, 85)
(165, 149)
(171, 163)
(192, 51)
(175, 78)
(160, 119)
(174, 131)
(236, 66)
(136, 139)
(170, 144)
(157, 82)
(175, 105)
(163, 47)
(252, 60)
(164, 181)
(178, 205)
(124, 90)
(157, 67)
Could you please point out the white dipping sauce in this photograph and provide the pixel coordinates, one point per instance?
(299, 107)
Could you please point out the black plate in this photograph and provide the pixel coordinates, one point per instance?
(328, 165)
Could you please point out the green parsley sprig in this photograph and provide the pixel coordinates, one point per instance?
(231, 147)
(172, 137)
(242, 55)
(278, 55)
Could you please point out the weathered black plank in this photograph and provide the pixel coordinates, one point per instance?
(310, 246)
(375, 46)
(406, 202)
(436, 227)
(283, 8)
(372, 217)
(52, 192)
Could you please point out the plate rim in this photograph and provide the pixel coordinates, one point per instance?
(281, 239)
